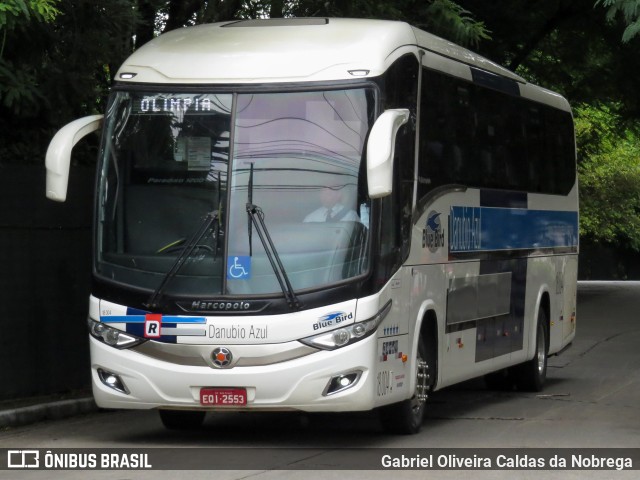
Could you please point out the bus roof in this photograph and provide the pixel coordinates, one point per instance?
(285, 50)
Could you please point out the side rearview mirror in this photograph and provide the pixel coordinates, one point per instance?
(380, 151)
(58, 157)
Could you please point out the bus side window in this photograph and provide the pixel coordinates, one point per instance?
(483, 138)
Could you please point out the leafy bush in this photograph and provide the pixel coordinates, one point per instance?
(609, 175)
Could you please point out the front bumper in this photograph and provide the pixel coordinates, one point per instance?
(296, 384)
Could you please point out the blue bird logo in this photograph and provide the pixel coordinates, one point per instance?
(433, 222)
(331, 316)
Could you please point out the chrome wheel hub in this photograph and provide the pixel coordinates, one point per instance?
(541, 352)
(422, 382)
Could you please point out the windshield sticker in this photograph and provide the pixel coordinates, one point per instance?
(239, 267)
(199, 153)
(195, 150)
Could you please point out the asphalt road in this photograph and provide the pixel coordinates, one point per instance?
(592, 400)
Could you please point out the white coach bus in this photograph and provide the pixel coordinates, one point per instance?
(323, 215)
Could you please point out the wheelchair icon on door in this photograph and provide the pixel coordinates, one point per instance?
(239, 267)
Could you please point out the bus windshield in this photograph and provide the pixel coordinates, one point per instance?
(171, 160)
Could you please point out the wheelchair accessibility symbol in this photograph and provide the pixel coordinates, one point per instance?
(239, 267)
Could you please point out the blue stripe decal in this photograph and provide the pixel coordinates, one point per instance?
(482, 229)
(136, 311)
(141, 319)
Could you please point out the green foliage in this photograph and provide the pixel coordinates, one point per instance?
(441, 17)
(69, 49)
(20, 93)
(57, 58)
(18, 12)
(565, 45)
(61, 70)
(455, 22)
(630, 12)
(609, 170)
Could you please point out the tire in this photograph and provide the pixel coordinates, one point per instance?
(531, 375)
(181, 420)
(406, 417)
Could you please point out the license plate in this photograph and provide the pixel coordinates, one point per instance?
(223, 396)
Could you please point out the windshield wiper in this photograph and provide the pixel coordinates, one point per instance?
(205, 226)
(256, 219)
(256, 216)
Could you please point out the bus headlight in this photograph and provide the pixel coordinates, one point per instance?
(112, 336)
(349, 334)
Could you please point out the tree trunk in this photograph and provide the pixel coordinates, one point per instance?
(146, 25)
(277, 9)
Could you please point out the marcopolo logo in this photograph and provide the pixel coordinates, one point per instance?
(215, 306)
(433, 233)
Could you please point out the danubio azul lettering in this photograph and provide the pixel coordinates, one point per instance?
(227, 333)
(466, 229)
(239, 332)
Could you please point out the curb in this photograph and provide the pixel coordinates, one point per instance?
(46, 411)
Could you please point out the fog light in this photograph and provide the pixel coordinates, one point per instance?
(342, 382)
(112, 380)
